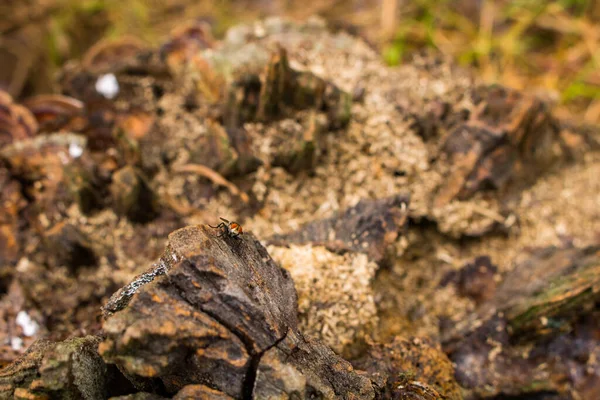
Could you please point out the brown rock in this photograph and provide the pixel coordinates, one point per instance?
(189, 392)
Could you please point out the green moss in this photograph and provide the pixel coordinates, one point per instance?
(559, 303)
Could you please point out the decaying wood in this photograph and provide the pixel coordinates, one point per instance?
(476, 280)
(411, 369)
(214, 309)
(214, 177)
(189, 392)
(507, 133)
(540, 309)
(278, 88)
(369, 227)
(67, 370)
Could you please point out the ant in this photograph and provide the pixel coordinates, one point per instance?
(229, 229)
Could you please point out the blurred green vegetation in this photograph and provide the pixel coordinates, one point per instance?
(549, 46)
(526, 44)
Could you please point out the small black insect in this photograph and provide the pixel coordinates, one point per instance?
(229, 229)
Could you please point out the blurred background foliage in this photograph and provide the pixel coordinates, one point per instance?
(549, 47)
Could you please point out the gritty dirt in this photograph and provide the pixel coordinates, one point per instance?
(293, 131)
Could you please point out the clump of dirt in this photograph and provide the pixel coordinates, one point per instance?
(335, 299)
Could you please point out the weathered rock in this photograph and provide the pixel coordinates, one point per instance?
(67, 370)
(120, 299)
(410, 369)
(174, 343)
(213, 308)
(369, 227)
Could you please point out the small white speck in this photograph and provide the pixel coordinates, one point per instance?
(29, 326)
(23, 264)
(16, 343)
(259, 31)
(108, 86)
(174, 257)
(75, 150)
